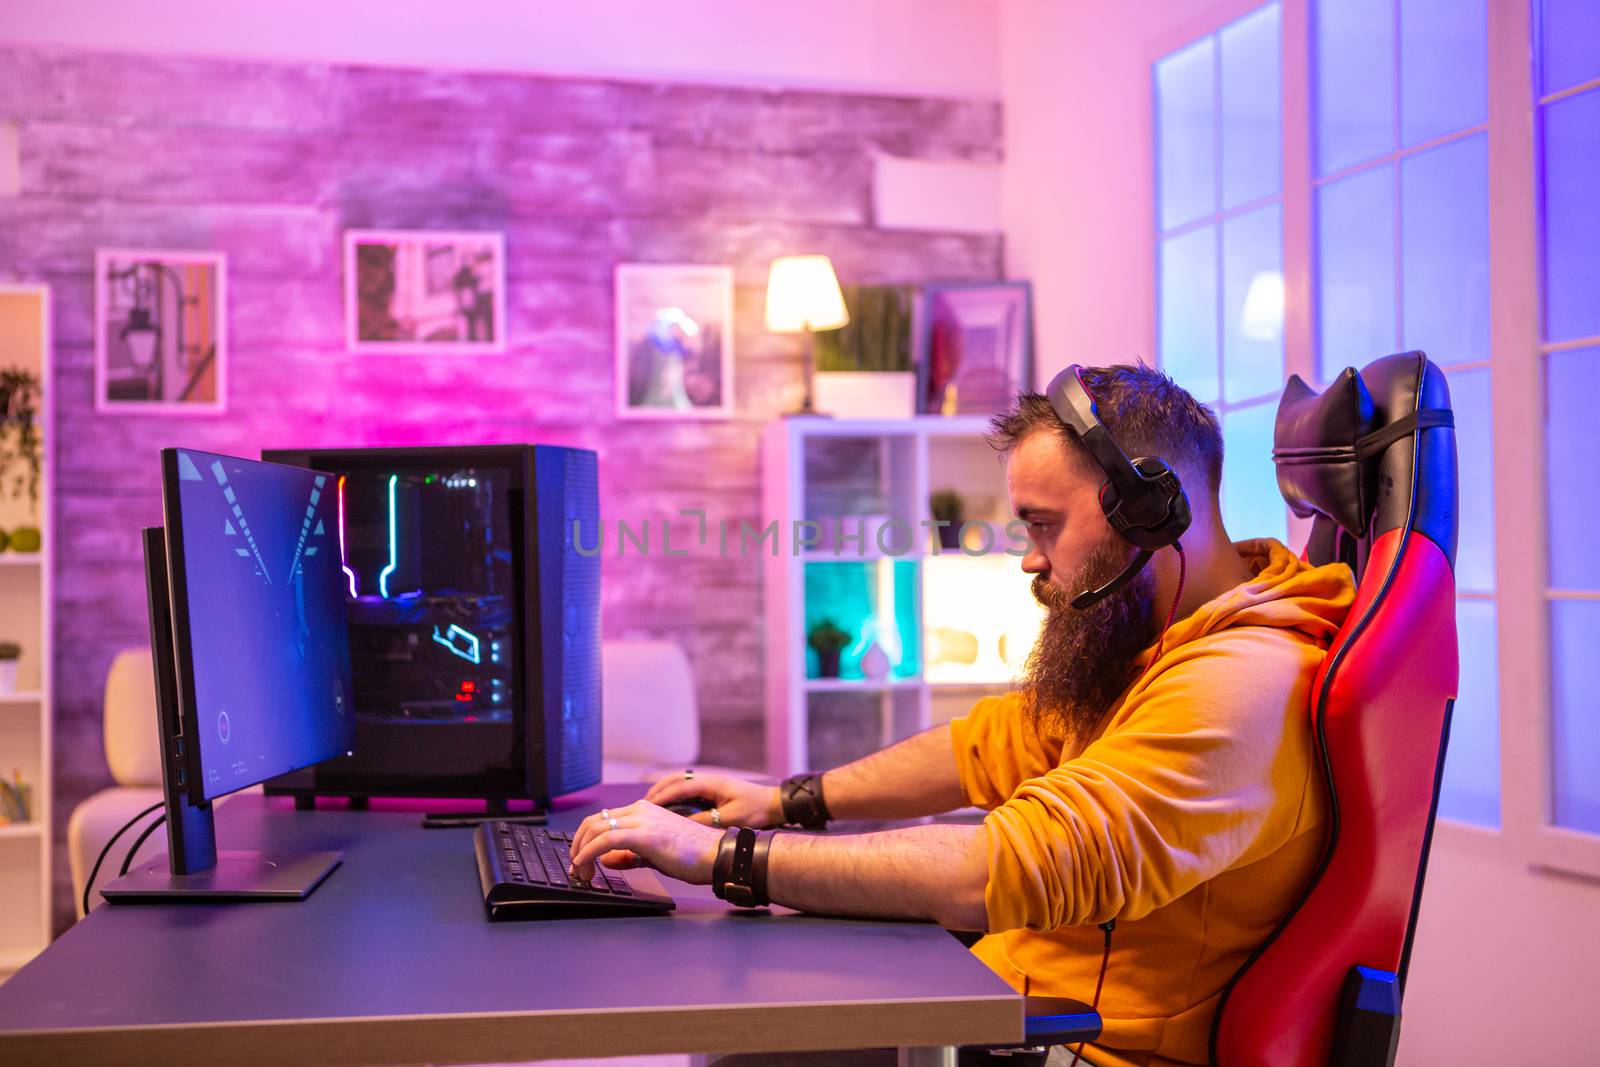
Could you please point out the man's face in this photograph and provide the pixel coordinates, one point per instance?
(1082, 660)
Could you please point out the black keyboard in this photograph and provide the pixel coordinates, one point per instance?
(523, 870)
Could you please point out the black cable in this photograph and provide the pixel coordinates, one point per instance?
(148, 830)
(1105, 958)
(95, 870)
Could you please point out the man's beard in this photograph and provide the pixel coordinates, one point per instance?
(1083, 660)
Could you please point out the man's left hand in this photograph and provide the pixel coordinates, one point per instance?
(645, 836)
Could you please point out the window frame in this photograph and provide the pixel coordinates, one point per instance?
(1516, 362)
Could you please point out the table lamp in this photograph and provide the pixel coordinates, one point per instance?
(803, 296)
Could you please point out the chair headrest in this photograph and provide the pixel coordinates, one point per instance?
(1315, 446)
(1373, 452)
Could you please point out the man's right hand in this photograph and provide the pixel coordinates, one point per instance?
(738, 802)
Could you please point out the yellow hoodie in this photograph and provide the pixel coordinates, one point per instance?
(1193, 817)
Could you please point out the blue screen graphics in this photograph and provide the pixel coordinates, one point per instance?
(263, 592)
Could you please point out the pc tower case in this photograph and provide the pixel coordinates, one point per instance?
(474, 621)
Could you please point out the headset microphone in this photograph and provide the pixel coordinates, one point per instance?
(1142, 498)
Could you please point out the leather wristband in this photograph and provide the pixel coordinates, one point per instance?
(737, 888)
(803, 805)
(758, 867)
(722, 866)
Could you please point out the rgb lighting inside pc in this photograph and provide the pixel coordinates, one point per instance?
(439, 623)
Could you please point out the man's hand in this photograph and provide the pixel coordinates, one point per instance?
(645, 836)
(740, 803)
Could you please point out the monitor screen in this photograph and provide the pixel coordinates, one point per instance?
(259, 616)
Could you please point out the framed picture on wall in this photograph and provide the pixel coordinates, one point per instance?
(161, 332)
(974, 346)
(424, 291)
(674, 343)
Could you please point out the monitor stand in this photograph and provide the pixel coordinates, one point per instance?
(234, 876)
(193, 869)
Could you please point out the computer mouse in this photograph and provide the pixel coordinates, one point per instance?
(689, 806)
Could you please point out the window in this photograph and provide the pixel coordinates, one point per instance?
(1219, 248)
(1401, 210)
(1569, 140)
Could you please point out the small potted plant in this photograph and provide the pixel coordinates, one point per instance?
(10, 652)
(947, 506)
(827, 641)
(864, 369)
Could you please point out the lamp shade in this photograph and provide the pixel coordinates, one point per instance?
(803, 294)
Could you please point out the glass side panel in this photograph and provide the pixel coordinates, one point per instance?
(1355, 270)
(1572, 216)
(1188, 301)
(1252, 304)
(1444, 67)
(1252, 101)
(1470, 397)
(1470, 791)
(1571, 28)
(1572, 437)
(1186, 132)
(1444, 250)
(1355, 90)
(1251, 503)
(1574, 726)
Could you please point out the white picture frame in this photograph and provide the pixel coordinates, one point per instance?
(674, 341)
(160, 332)
(447, 292)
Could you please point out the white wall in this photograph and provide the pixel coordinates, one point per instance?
(915, 47)
(1506, 965)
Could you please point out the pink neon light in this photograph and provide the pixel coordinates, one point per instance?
(342, 562)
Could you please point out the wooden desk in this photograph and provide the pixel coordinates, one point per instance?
(391, 960)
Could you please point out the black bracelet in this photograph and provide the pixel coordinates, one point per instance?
(722, 866)
(758, 867)
(736, 888)
(803, 805)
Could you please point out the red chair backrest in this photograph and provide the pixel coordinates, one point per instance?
(1381, 704)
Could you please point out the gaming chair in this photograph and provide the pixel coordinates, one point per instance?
(1372, 461)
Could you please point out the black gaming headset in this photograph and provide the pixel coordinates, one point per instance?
(1142, 498)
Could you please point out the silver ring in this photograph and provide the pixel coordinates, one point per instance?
(605, 813)
(688, 775)
(716, 817)
(613, 823)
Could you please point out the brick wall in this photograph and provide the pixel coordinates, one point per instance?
(269, 164)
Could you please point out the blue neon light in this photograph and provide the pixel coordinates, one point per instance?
(394, 555)
(470, 653)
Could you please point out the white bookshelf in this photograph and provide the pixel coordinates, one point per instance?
(25, 617)
(943, 611)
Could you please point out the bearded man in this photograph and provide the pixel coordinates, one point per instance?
(1157, 778)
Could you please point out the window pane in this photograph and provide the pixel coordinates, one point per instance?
(1574, 434)
(1470, 791)
(1470, 397)
(1444, 242)
(1186, 123)
(1252, 128)
(1355, 81)
(1574, 727)
(1572, 216)
(1251, 503)
(1188, 301)
(1355, 270)
(1444, 67)
(1571, 28)
(1252, 309)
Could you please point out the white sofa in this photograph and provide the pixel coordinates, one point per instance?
(651, 728)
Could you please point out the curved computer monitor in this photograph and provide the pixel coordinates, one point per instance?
(252, 655)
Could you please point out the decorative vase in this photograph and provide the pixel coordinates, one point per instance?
(8, 676)
(875, 663)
